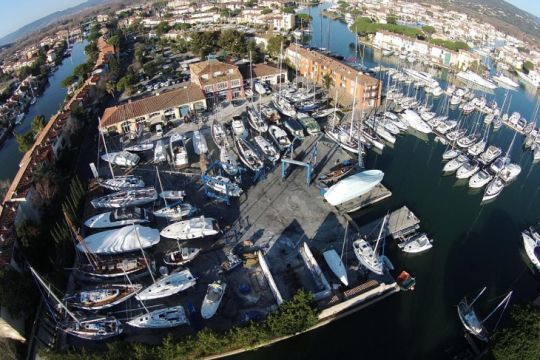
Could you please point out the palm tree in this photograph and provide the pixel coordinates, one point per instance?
(46, 179)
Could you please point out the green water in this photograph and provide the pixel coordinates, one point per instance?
(475, 245)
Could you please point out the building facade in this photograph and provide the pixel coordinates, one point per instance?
(219, 81)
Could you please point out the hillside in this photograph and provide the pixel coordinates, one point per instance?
(48, 20)
(504, 16)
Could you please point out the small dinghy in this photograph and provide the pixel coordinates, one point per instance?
(335, 263)
(103, 297)
(161, 319)
(140, 147)
(122, 158)
(199, 143)
(118, 183)
(224, 185)
(172, 194)
(416, 244)
(175, 212)
(126, 239)
(167, 285)
(213, 298)
(117, 218)
(279, 136)
(180, 256)
(160, 153)
(126, 198)
(194, 228)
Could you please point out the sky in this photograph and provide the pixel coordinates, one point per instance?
(17, 13)
(532, 6)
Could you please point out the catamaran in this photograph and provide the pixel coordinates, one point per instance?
(126, 239)
(121, 158)
(214, 295)
(102, 297)
(126, 198)
(194, 228)
(367, 255)
(167, 285)
(118, 183)
(117, 218)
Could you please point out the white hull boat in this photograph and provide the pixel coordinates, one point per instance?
(195, 228)
(224, 185)
(140, 147)
(451, 154)
(455, 164)
(493, 189)
(172, 194)
(229, 161)
(167, 285)
(414, 121)
(480, 179)
(118, 183)
(510, 172)
(218, 134)
(490, 155)
(417, 244)
(336, 265)
(160, 153)
(239, 129)
(256, 121)
(280, 137)
(213, 298)
(126, 198)
(248, 155)
(122, 158)
(117, 218)
(103, 297)
(531, 243)
(126, 239)
(181, 256)
(269, 151)
(175, 212)
(353, 187)
(178, 150)
(468, 169)
(367, 257)
(199, 143)
(161, 319)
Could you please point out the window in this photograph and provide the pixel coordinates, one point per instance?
(208, 88)
(235, 83)
(222, 85)
(126, 127)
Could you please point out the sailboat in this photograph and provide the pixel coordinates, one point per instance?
(218, 134)
(470, 320)
(256, 120)
(224, 185)
(228, 161)
(118, 183)
(531, 243)
(167, 285)
(102, 297)
(335, 261)
(268, 150)
(248, 154)
(121, 158)
(367, 255)
(126, 239)
(89, 327)
(126, 198)
(199, 143)
(140, 147)
(161, 318)
(160, 153)
(214, 295)
(117, 218)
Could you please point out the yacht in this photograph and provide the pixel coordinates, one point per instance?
(468, 169)
(180, 256)
(194, 228)
(224, 185)
(178, 150)
(126, 239)
(121, 158)
(499, 164)
(412, 119)
(248, 154)
(117, 218)
(416, 244)
(118, 183)
(476, 79)
(451, 154)
(167, 285)
(238, 128)
(160, 319)
(456, 134)
(175, 212)
(531, 243)
(510, 172)
(446, 126)
(214, 295)
(467, 141)
(343, 139)
(532, 78)
(267, 149)
(480, 179)
(489, 155)
(126, 198)
(199, 143)
(279, 136)
(455, 164)
(455, 100)
(367, 255)
(283, 106)
(505, 81)
(477, 148)
(493, 189)
(102, 297)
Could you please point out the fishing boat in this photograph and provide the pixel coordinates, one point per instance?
(173, 195)
(416, 244)
(238, 127)
(177, 148)
(112, 268)
(167, 285)
(118, 183)
(248, 154)
(121, 158)
(480, 179)
(279, 136)
(531, 243)
(493, 189)
(161, 318)
(267, 149)
(256, 120)
(199, 143)
(117, 241)
(414, 121)
(118, 217)
(468, 169)
(367, 255)
(471, 321)
(88, 327)
(194, 228)
(224, 185)
(140, 147)
(337, 172)
(229, 161)
(176, 211)
(102, 297)
(126, 198)
(491, 153)
(353, 187)
(219, 136)
(214, 295)
(455, 164)
(160, 152)
(180, 256)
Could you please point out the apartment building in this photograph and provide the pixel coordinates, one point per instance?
(315, 66)
(219, 81)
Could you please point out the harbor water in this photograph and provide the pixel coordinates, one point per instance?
(47, 105)
(475, 244)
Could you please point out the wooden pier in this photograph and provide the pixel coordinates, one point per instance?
(378, 193)
(399, 222)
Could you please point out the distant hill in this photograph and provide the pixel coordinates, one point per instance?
(504, 16)
(48, 20)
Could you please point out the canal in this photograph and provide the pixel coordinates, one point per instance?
(475, 244)
(47, 105)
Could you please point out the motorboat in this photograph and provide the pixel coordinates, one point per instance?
(499, 164)
(199, 143)
(455, 100)
(126, 239)
(176, 211)
(229, 161)
(456, 134)
(427, 115)
(167, 285)
(531, 243)
(367, 255)
(477, 148)
(160, 152)
(223, 185)
(451, 154)
(468, 169)
(480, 179)
(488, 119)
(180, 256)
(194, 228)
(322, 113)
(531, 78)
(455, 164)
(371, 136)
(279, 136)
(510, 172)
(491, 153)
(353, 187)
(505, 81)
(118, 183)
(126, 198)
(468, 108)
(238, 128)
(177, 147)
(269, 113)
(335, 263)
(102, 297)
(267, 149)
(337, 172)
(416, 244)
(256, 120)
(140, 147)
(467, 141)
(446, 126)
(117, 218)
(493, 189)
(218, 134)
(412, 119)
(161, 318)
(214, 295)
(248, 154)
(474, 78)
(121, 158)
(173, 195)
(310, 124)
(231, 262)
(295, 128)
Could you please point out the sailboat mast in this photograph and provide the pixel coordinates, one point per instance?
(504, 301)
(105, 146)
(476, 298)
(380, 234)
(143, 254)
(161, 186)
(251, 76)
(344, 241)
(354, 106)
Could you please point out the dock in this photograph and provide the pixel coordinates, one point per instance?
(400, 221)
(377, 194)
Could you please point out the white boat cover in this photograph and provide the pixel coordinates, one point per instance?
(120, 240)
(353, 186)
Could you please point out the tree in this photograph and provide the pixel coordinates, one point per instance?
(150, 69)
(305, 19)
(83, 70)
(114, 41)
(17, 293)
(293, 316)
(162, 28)
(288, 10)
(266, 11)
(273, 47)
(25, 141)
(202, 43)
(182, 26)
(528, 66)
(126, 82)
(232, 41)
(69, 80)
(38, 122)
(46, 179)
(520, 340)
(328, 81)
(429, 30)
(391, 19)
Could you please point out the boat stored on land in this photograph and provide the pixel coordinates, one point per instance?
(161, 319)
(128, 238)
(531, 243)
(353, 187)
(126, 198)
(117, 218)
(167, 285)
(180, 256)
(118, 183)
(102, 297)
(194, 228)
(121, 158)
(214, 295)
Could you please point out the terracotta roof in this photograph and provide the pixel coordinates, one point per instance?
(130, 110)
(335, 65)
(210, 68)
